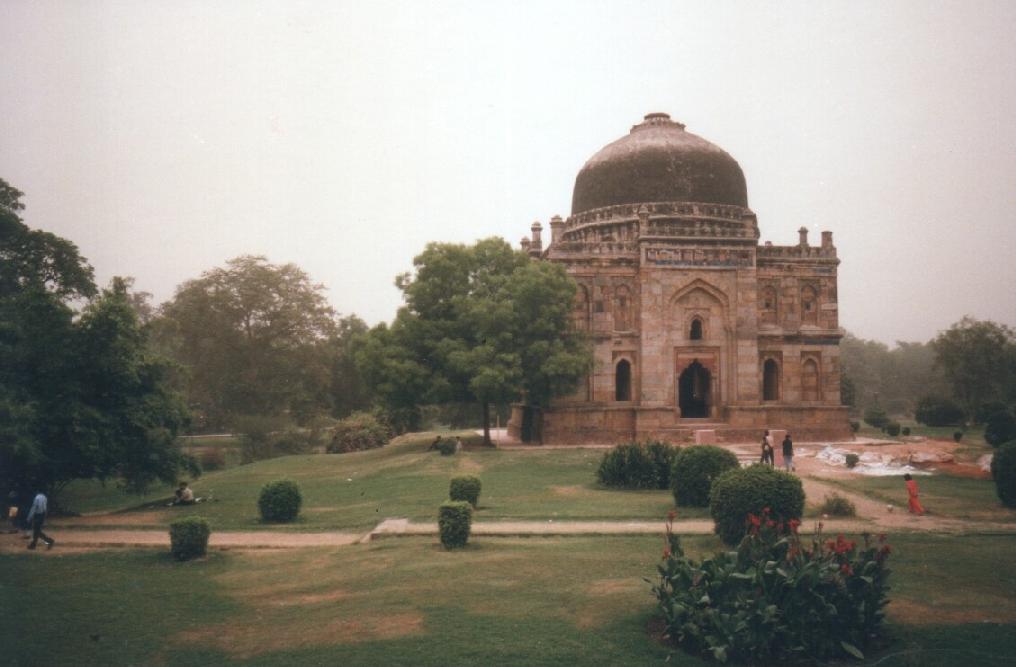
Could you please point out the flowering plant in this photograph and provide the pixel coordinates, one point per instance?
(775, 596)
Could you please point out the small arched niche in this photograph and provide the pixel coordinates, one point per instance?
(695, 330)
(622, 381)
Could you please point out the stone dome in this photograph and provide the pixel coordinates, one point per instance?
(658, 161)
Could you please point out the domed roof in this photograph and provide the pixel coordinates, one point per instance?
(658, 161)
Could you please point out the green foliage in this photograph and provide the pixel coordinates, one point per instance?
(482, 324)
(279, 501)
(188, 537)
(694, 470)
(876, 417)
(957, 435)
(255, 340)
(454, 521)
(737, 493)
(37, 260)
(775, 598)
(1003, 471)
(855, 425)
(636, 465)
(465, 487)
(1000, 427)
(211, 459)
(893, 378)
(447, 447)
(893, 428)
(359, 431)
(979, 360)
(938, 411)
(905, 431)
(837, 505)
(852, 460)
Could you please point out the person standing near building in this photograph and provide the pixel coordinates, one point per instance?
(768, 453)
(36, 518)
(788, 453)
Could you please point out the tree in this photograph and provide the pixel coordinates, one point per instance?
(979, 360)
(253, 338)
(481, 324)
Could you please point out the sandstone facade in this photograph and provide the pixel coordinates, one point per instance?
(694, 324)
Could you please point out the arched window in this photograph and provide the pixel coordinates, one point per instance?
(768, 305)
(809, 305)
(696, 329)
(770, 381)
(622, 309)
(810, 381)
(622, 381)
(580, 315)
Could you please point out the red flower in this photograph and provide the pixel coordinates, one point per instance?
(753, 520)
(794, 523)
(846, 569)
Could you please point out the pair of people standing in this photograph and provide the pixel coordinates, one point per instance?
(769, 455)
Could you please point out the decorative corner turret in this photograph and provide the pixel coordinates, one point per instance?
(556, 229)
(803, 233)
(536, 246)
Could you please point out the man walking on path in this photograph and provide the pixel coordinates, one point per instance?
(36, 518)
(788, 453)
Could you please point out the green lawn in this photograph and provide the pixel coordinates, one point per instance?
(354, 491)
(524, 601)
(941, 495)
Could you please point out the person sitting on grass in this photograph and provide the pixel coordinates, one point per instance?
(184, 496)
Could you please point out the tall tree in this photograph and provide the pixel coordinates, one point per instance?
(979, 359)
(251, 336)
(481, 324)
(80, 397)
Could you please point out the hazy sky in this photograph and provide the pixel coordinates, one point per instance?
(167, 137)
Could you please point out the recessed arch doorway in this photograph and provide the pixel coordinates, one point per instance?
(694, 395)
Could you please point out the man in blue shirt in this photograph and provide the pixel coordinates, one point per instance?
(37, 517)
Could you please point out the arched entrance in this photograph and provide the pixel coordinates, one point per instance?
(693, 396)
(622, 381)
(770, 381)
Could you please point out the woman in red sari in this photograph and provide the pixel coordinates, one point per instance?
(915, 504)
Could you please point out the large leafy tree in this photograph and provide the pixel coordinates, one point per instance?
(80, 396)
(481, 324)
(252, 336)
(979, 360)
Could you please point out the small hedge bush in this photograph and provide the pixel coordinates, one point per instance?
(852, 460)
(1003, 471)
(938, 411)
(837, 505)
(636, 465)
(279, 501)
(743, 491)
(1000, 427)
(776, 598)
(454, 520)
(359, 431)
(188, 537)
(855, 425)
(957, 435)
(465, 487)
(446, 447)
(876, 417)
(906, 430)
(694, 470)
(893, 428)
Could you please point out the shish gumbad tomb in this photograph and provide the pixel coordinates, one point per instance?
(694, 325)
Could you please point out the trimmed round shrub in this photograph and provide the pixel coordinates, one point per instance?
(1000, 427)
(837, 505)
(743, 491)
(893, 428)
(988, 408)
(279, 501)
(1003, 471)
(852, 460)
(188, 537)
(446, 447)
(454, 520)
(906, 430)
(957, 435)
(636, 465)
(465, 487)
(359, 431)
(876, 417)
(694, 470)
(938, 411)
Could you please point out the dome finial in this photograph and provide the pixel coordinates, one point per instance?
(657, 119)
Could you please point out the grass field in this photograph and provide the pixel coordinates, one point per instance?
(524, 601)
(941, 495)
(354, 491)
